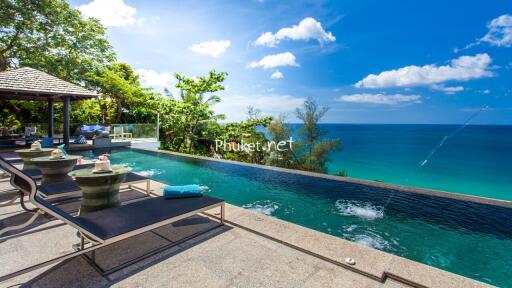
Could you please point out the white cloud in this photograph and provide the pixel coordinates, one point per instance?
(460, 69)
(212, 48)
(235, 107)
(448, 89)
(500, 31)
(380, 98)
(306, 30)
(499, 34)
(158, 81)
(276, 60)
(276, 75)
(112, 13)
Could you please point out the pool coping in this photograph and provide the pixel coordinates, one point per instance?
(370, 262)
(401, 188)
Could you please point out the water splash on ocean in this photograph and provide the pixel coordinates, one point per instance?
(452, 134)
(483, 108)
(441, 143)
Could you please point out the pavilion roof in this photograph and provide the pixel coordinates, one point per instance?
(31, 84)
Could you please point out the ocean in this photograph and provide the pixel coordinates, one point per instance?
(476, 160)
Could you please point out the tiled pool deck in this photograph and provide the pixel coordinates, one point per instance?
(251, 250)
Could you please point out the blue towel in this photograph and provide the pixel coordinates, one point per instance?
(184, 191)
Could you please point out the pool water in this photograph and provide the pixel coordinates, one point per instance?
(466, 238)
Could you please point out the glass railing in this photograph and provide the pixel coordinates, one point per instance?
(117, 132)
(134, 131)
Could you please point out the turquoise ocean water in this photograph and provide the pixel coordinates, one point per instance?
(476, 161)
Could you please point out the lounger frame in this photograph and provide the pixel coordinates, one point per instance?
(90, 242)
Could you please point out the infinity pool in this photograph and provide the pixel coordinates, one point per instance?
(470, 239)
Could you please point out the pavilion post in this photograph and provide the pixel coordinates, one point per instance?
(50, 117)
(66, 120)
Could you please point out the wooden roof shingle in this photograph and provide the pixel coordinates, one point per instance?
(31, 84)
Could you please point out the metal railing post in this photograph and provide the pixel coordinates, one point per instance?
(157, 126)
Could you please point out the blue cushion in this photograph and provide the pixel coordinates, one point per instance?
(86, 128)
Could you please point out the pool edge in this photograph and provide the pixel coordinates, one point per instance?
(370, 262)
(401, 188)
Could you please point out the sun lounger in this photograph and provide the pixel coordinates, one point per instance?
(100, 228)
(69, 188)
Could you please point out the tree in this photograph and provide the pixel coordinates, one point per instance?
(278, 131)
(246, 132)
(253, 113)
(51, 36)
(191, 114)
(122, 97)
(193, 90)
(311, 150)
(86, 112)
(314, 148)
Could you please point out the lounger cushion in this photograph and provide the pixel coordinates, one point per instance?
(112, 222)
(34, 173)
(56, 188)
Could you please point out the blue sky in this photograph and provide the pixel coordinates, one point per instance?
(369, 61)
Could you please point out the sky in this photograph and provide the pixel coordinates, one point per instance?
(417, 62)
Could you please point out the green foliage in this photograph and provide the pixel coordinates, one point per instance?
(182, 126)
(186, 122)
(122, 97)
(314, 151)
(193, 90)
(310, 152)
(86, 112)
(51, 36)
(22, 112)
(279, 132)
(342, 173)
(7, 118)
(236, 133)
